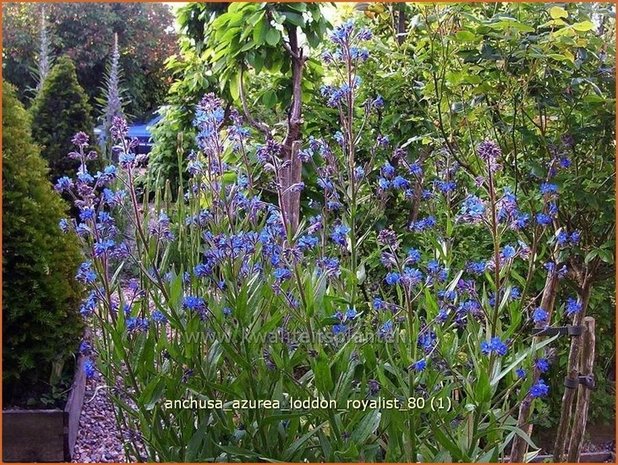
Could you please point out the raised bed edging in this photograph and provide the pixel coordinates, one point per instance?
(586, 457)
(44, 435)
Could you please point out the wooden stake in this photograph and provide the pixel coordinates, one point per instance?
(564, 426)
(520, 446)
(583, 393)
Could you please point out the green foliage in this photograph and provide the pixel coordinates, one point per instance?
(41, 324)
(539, 79)
(83, 31)
(229, 49)
(59, 111)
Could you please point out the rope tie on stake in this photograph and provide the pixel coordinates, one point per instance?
(571, 331)
(586, 381)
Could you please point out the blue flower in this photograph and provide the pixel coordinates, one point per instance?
(489, 152)
(476, 268)
(521, 373)
(102, 247)
(339, 234)
(384, 183)
(540, 316)
(393, 278)
(89, 305)
(420, 365)
(540, 389)
(159, 317)
(508, 252)
(135, 324)
(85, 178)
(423, 224)
(575, 237)
(63, 224)
(543, 219)
(339, 328)
(548, 188)
(564, 162)
(382, 141)
(412, 277)
(552, 209)
(427, 340)
(562, 238)
(326, 184)
(572, 306)
(472, 210)
(415, 169)
(542, 364)
(413, 255)
(387, 170)
(194, 304)
(378, 102)
(282, 274)
(87, 213)
(378, 303)
(89, 369)
(386, 329)
(329, 266)
(495, 345)
(401, 183)
(126, 160)
(85, 274)
(359, 173)
(85, 348)
(520, 221)
(307, 242)
(63, 184)
(445, 186)
(350, 313)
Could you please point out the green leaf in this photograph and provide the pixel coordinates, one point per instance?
(465, 36)
(323, 377)
(152, 394)
(521, 358)
(269, 98)
(593, 98)
(583, 26)
(259, 32)
(366, 427)
(273, 36)
(296, 445)
(557, 12)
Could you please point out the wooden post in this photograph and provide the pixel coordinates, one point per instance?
(583, 393)
(520, 446)
(564, 426)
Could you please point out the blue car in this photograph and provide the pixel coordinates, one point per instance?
(141, 132)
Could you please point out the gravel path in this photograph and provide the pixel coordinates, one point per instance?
(98, 437)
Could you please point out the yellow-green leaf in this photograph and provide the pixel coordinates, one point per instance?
(583, 26)
(557, 12)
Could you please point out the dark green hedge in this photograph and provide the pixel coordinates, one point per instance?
(40, 296)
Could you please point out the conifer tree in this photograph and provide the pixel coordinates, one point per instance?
(40, 296)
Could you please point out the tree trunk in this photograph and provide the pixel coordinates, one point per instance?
(291, 145)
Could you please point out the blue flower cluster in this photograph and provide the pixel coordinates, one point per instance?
(494, 346)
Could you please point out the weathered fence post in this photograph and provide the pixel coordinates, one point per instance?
(583, 394)
(562, 435)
